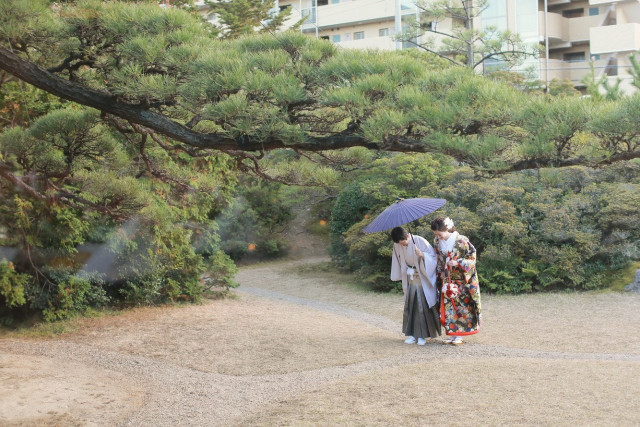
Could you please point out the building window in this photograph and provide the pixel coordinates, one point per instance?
(612, 67)
(407, 5)
(574, 57)
(573, 13)
(383, 32)
(358, 35)
(527, 20)
(491, 65)
(309, 14)
(595, 57)
(494, 15)
(324, 37)
(284, 7)
(593, 11)
(335, 38)
(322, 2)
(335, 1)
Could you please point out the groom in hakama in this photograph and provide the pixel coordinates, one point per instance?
(414, 263)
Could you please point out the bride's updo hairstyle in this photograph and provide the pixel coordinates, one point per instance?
(443, 224)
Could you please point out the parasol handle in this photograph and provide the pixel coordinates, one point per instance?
(411, 234)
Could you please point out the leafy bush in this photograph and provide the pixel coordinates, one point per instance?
(84, 186)
(161, 265)
(12, 289)
(74, 294)
(534, 231)
(351, 207)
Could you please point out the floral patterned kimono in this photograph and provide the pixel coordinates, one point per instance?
(460, 290)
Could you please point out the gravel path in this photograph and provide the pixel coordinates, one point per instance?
(298, 346)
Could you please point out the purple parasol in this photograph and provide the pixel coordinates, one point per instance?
(403, 211)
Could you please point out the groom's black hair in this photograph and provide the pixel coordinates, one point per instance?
(399, 233)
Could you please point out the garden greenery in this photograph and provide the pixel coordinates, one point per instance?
(567, 229)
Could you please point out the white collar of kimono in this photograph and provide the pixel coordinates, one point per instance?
(446, 246)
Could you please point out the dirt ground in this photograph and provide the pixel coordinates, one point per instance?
(299, 346)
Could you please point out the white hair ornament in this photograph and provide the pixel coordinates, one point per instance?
(448, 222)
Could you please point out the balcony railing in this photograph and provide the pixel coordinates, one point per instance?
(310, 13)
(575, 70)
(579, 27)
(349, 13)
(563, 29)
(605, 2)
(382, 43)
(615, 38)
(557, 26)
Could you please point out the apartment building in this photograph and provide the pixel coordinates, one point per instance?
(577, 33)
(352, 24)
(573, 34)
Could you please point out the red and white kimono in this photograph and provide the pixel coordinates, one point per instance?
(459, 286)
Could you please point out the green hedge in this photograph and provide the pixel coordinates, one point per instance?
(572, 228)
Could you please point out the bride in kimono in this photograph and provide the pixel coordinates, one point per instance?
(457, 280)
(414, 263)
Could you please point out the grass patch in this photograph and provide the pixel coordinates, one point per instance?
(35, 327)
(623, 277)
(316, 268)
(48, 329)
(318, 228)
(219, 294)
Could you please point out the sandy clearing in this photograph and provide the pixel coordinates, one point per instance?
(485, 391)
(590, 322)
(297, 346)
(46, 391)
(246, 336)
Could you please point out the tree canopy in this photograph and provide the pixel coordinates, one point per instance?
(163, 71)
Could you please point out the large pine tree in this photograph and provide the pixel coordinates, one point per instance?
(162, 70)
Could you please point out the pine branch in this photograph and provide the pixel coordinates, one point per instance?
(5, 172)
(494, 54)
(60, 195)
(451, 36)
(435, 52)
(243, 144)
(84, 95)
